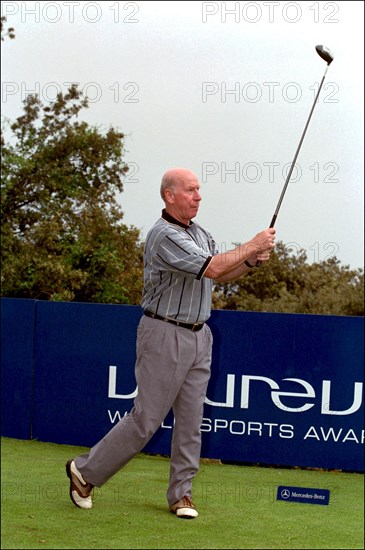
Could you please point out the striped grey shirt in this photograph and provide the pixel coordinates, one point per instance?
(175, 259)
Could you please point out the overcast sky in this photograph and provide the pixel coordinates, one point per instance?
(224, 89)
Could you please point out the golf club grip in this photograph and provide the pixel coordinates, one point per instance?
(272, 223)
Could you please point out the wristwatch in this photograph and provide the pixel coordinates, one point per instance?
(248, 264)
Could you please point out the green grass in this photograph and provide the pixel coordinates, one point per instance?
(237, 506)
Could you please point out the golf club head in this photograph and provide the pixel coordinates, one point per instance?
(325, 54)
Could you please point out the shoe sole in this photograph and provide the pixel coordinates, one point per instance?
(69, 475)
(184, 513)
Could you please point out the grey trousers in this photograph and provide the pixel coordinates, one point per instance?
(172, 371)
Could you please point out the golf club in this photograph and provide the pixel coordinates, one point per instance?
(325, 54)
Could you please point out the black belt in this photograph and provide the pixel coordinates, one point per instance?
(190, 326)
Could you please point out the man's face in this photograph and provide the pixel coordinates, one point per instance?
(185, 198)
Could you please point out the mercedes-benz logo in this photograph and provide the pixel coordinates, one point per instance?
(285, 493)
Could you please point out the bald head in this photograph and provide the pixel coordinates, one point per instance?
(175, 178)
(180, 191)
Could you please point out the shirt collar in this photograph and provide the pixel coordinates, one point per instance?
(167, 217)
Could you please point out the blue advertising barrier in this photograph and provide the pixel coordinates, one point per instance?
(285, 389)
(17, 338)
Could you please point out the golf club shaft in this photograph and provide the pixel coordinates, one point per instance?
(273, 220)
(296, 154)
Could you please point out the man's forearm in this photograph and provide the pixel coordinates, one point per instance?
(230, 265)
(233, 274)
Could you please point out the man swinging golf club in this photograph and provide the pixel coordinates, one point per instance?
(174, 344)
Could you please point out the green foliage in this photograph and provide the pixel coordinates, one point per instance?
(288, 284)
(62, 232)
(9, 32)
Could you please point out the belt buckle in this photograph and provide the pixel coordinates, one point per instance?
(193, 327)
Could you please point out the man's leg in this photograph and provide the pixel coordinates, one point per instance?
(188, 413)
(158, 380)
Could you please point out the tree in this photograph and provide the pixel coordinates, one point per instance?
(288, 284)
(9, 32)
(62, 232)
